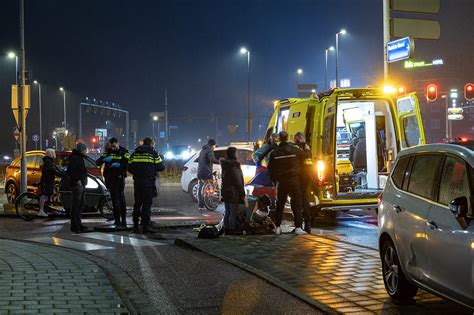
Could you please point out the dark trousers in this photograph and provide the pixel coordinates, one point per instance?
(143, 192)
(78, 199)
(230, 215)
(285, 188)
(116, 186)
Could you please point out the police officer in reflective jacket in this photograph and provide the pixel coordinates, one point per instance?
(116, 160)
(144, 164)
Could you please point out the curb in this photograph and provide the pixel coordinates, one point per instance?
(113, 273)
(282, 285)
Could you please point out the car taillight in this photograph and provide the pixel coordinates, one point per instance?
(185, 168)
(320, 170)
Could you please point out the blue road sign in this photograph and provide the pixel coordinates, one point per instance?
(35, 138)
(400, 49)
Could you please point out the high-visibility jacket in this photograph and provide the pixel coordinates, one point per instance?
(145, 162)
(118, 156)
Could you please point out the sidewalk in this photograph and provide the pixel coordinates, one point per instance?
(333, 276)
(41, 279)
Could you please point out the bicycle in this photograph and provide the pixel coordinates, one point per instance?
(27, 206)
(211, 193)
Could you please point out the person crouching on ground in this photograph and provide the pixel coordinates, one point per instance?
(77, 174)
(233, 193)
(49, 171)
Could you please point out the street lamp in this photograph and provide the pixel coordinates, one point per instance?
(40, 115)
(341, 32)
(64, 104)
(244, 50)
(12, 55)
(326, 68)
(298, 73)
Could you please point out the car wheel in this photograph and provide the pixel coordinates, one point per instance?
(193, 189)
(396, 284)
(106, 208)
(11, 193)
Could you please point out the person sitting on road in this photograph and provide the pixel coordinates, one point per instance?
(205, 161)
(233, 193)
(49, 171)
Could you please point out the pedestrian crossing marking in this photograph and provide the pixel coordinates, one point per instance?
(68, 244)
(120, 239)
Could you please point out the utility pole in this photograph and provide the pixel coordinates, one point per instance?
(21, 100)
(166, 118)
(386, 38)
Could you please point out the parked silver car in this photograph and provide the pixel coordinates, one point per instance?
(426, 223)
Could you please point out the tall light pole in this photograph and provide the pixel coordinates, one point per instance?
(64, 104)
(40, 115)
(341, 32)
(12, 55)
(21, 100)
(244, 50)
(326, 68)
(154, 118)
(298, 73)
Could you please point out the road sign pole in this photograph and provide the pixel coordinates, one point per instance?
(386, 37)
(22, 101)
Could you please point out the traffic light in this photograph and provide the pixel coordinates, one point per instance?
(94, 139)
(431, 92)
(469, 91)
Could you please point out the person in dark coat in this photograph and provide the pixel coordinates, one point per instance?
(205, 162)
(49, 171)
(284, 170)
(232, 191)
(145, 163)
(116, 160)
(77, 174)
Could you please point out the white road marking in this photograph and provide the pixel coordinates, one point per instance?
(120, 239)
(69, 244)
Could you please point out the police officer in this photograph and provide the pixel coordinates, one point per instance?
(305, 177)
(116, 160)
(284, 170)
(144, 164)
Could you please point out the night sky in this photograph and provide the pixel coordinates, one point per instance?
(128, 52)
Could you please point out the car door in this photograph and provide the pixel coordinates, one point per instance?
(411, 206)
(328, 148)
(33, 171)
(451, 246)
(247, 164)
(409, 121)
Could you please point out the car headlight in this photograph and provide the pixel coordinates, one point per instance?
(169, 155)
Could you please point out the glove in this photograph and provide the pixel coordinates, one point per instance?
(108, 159)
(115, 165)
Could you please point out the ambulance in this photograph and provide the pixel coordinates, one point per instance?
(355, 135)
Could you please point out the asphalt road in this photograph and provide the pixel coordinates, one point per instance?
(175, 280)
(180, 280)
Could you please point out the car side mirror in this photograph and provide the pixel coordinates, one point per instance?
(458, 208)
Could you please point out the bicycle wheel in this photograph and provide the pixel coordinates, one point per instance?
(211, 195)
(27, 206)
